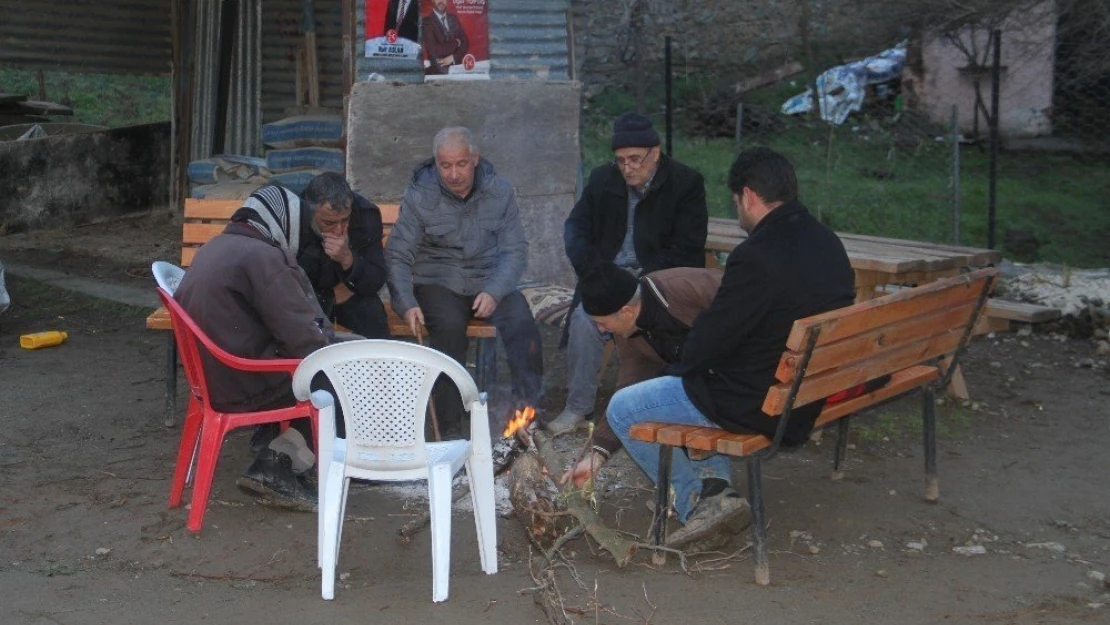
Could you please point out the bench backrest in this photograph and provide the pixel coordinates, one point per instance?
(205, 219)
(852, 345)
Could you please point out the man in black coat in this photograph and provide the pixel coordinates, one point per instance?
(791, 266)
(643, 212)
(341, 252)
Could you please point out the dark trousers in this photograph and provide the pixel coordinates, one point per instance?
(446, 314)
(362, 314)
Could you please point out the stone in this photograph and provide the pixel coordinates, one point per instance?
(1052, 546)
(970, 550)
(1097, 576)
(916, 545)
(875, 544)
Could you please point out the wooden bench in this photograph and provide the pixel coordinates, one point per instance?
(915, 335)
(205, 219)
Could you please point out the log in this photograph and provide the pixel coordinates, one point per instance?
(549, 513)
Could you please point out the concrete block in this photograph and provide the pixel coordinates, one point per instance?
(528, 130)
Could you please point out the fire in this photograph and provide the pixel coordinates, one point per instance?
(519, 421)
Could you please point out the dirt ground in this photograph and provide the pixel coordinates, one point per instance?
(86, 538)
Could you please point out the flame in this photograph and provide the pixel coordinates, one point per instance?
(519, 421)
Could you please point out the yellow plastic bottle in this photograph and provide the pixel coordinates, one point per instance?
(42, 339)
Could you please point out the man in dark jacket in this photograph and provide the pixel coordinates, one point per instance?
(643, 212)
(458, 251)
(245, 290)
(445, 40)
(341, 252)
(791, 266)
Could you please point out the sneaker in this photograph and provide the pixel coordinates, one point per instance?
(720, 516)
(271, 480)
(567, 421)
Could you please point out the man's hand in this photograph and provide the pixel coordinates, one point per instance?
(584, 470)
(342, 293)
(484, 305)
(447, 60)
(414, 317)
(338, 249)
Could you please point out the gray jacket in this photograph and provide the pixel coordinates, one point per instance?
(468, 246)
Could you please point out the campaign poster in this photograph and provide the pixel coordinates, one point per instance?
(393, 29)
(455, 34)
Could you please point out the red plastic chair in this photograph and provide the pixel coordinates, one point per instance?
(207, 425)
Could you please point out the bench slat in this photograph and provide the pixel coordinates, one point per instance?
(200, 233)
(210, 209)
(838, 324)
(868, 344)
(900, 382)
(829, 382)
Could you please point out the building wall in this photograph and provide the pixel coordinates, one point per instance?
(944, 76)
(73, 179)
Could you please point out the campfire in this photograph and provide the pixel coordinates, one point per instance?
(519, 421)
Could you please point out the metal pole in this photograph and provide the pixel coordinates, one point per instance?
(992, 197)
(955, 175)
(667, 83)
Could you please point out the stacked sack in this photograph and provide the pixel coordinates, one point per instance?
(303, 147)
(227, 177)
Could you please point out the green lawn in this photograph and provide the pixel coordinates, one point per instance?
(890, 182)
(101, 99)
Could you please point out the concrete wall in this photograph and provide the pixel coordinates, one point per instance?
(528, 130)
(945, 76)
(70, 180)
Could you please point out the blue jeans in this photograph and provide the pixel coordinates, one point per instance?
(664, 399)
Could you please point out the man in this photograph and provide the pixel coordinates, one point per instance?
(649, 319)
(403, 16)
(644, 212)
(445, 40)
(791, 266)
(341, 252)
(245, 290)
(458, 251)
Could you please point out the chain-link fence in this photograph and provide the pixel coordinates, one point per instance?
(900, 133)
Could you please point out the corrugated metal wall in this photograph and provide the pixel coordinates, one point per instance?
(242, 133)
(528, 40)
(92, 36)
(281, 39)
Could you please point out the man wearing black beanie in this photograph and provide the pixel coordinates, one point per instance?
(642, 212)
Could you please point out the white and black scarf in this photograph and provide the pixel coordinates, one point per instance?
(275, 212)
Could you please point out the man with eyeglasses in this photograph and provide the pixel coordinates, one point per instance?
(643, 212)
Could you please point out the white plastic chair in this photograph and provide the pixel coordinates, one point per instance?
(383, 388)
(167, 275)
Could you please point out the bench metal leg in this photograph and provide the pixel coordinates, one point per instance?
(759, 520)
(485, 363)
(662, 494)
(929, 424)
(169, 414)
(841, 448)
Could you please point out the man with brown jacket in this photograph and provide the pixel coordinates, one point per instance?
(649, 319)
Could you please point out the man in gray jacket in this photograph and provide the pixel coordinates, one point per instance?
(458, 251)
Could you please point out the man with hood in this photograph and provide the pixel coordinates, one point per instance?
(458, 251)
(246, 291)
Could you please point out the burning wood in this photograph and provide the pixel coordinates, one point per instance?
(519, 421)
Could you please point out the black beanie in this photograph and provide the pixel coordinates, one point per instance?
(633, 130)
(606, 290)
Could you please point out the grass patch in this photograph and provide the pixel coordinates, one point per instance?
(900, 422)
(101, 99)
(890, 176)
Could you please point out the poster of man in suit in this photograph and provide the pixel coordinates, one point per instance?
(393, 29)
(455, 34)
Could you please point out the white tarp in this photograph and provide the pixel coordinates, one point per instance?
(843, 87)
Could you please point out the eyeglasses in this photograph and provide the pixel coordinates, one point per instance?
(632, 162)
